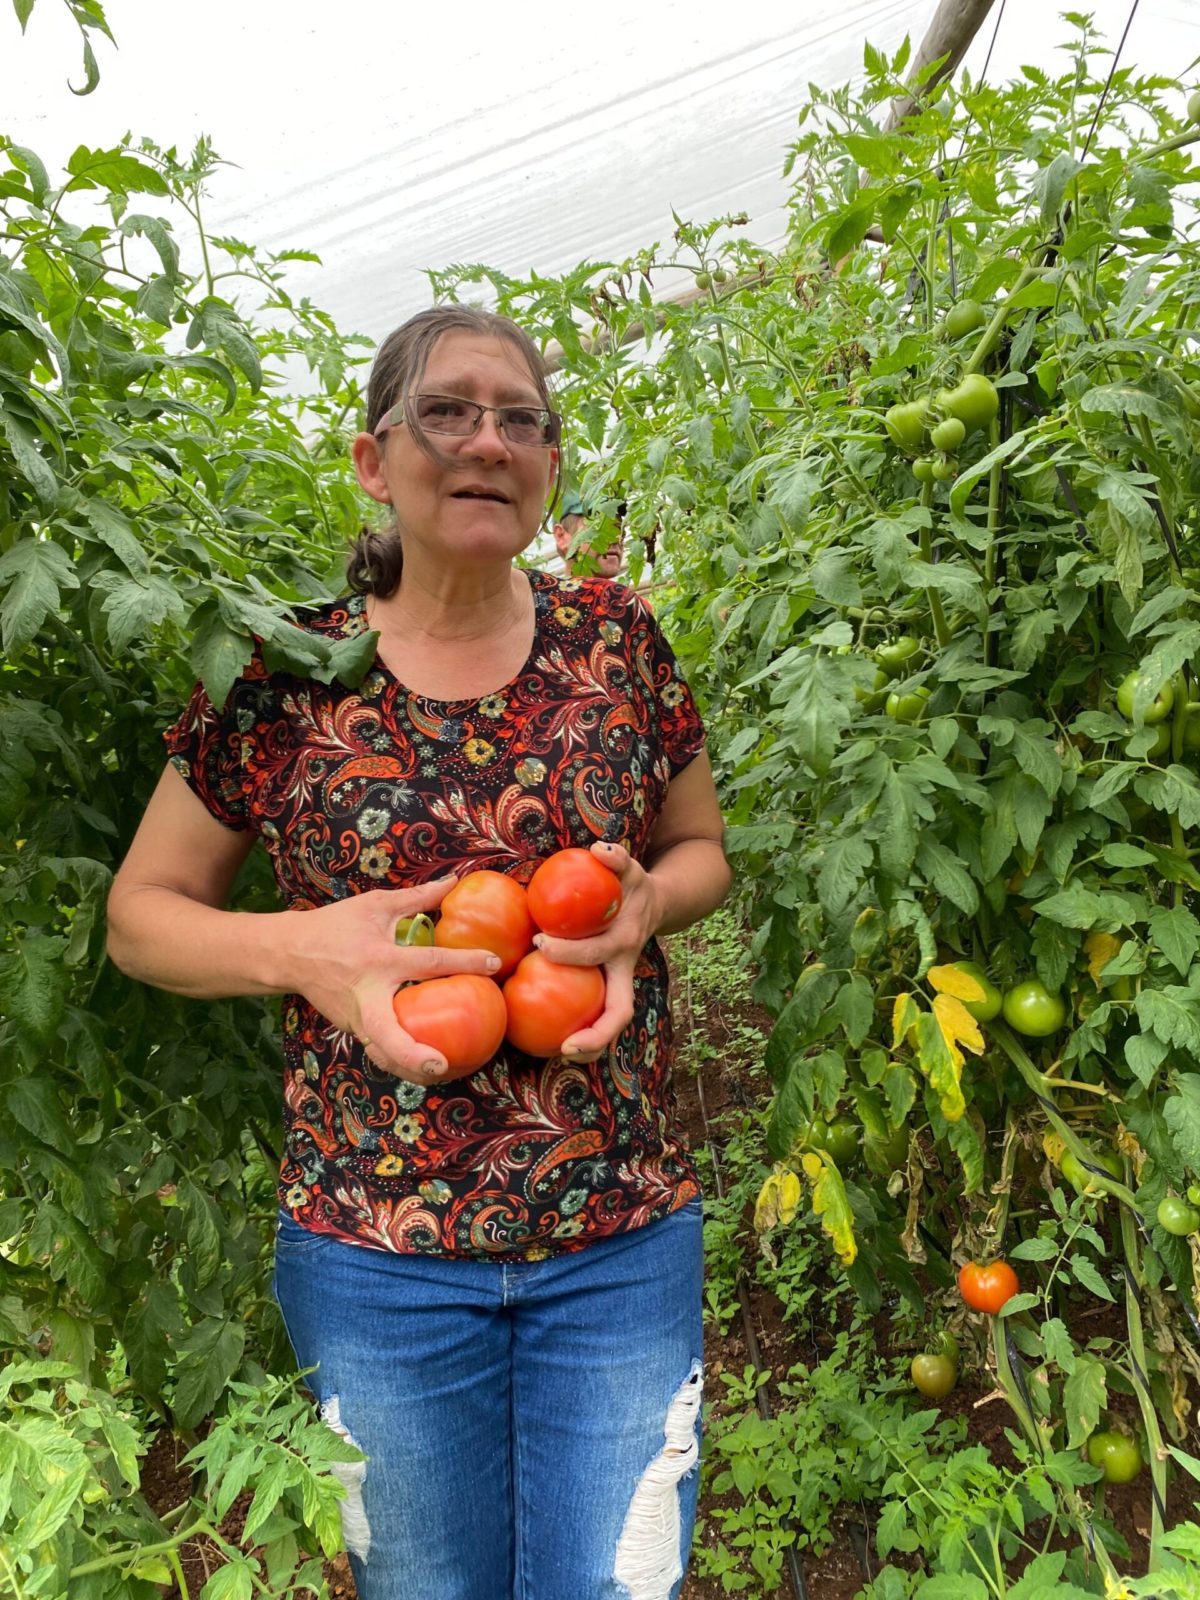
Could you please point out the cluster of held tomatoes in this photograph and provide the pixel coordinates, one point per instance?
(533, 1002)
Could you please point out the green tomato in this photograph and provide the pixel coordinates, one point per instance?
(948, 435)
(1193, 106)
(934, 1376)
(974, 401)
(963, 318)
(1159, 708)
(842, 1140)
(1191, 731)
(885, 1155)
(945, 469)
(906, 707)
(720, 275)
(987, 1009)
(1176, 1216)
(1162, 741)
(872, 699)
(704, 280)
(1031, 1009)
(905, 424)
(1117, 1455)
(898, 655)
(923, 469)
(1080, 1179)
(414, 930)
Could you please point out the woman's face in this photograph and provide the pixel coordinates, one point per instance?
(485, 504)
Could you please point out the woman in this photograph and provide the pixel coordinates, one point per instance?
(497, 1279)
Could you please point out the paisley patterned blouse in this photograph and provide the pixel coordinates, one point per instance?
(376, 787)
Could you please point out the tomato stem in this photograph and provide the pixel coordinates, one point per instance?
(1139, 1374)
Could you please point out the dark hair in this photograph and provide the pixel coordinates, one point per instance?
(376, 558)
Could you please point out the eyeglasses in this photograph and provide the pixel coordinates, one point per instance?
(446, 413)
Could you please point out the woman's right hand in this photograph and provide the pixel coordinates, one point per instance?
(348, 965)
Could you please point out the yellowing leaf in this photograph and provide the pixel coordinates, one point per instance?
(766, 1207)
(941, 1062)
(949, 980)
(778, 1200)
(831, 1205)
(958, 1025)
(1052, 1147)
(904, 1016)
(1100, 948)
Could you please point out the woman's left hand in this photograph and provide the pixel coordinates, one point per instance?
(616, 950)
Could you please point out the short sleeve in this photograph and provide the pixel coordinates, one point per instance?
(681, 728)
(207, 748)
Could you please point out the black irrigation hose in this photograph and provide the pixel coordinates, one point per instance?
(795, 1573)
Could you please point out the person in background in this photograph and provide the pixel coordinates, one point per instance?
(495, 1280)
(583, 561)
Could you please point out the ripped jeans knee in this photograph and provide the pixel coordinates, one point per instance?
(649, 1557)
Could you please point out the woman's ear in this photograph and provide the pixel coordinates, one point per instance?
(554, 458)
(367, 454)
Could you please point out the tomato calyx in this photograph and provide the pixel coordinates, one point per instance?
(416, 930)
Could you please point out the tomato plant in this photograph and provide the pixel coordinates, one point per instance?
(486, 911)
(548, 1002)
(573, 896)
(463, 1017)
(987, 1287)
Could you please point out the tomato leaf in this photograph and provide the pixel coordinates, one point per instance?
(1085, 1393)
(831, 1205)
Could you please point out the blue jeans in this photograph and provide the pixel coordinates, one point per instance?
(531, 1428)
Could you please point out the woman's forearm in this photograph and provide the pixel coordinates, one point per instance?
(162, 937)
(692, 878)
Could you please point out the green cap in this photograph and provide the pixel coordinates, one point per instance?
(572, 506)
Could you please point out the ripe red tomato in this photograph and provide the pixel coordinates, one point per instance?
(486, 911)
(462, 1016)
(548, 1002)
(987, 1288)
(573, 896)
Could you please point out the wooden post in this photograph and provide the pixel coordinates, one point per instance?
(955, 23)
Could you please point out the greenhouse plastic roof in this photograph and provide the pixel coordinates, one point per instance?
(389, 137)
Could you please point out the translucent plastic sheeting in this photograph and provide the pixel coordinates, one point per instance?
(389, 138)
